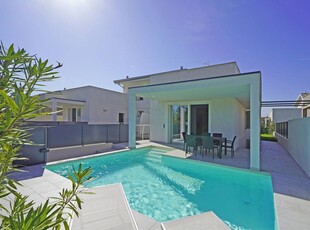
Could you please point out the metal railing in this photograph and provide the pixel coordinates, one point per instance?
(282, 129)
(63, 134)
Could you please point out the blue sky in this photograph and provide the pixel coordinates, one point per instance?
(99, 41)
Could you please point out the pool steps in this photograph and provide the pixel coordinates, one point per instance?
(108, 208)
(203, 221)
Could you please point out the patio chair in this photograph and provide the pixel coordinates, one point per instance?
(206, 134)
(216, 143)
(217, 135)
(191, 142)
(207, 144)
(184, 139)
(230, 145)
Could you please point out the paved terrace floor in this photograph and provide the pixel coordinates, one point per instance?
(287, 176)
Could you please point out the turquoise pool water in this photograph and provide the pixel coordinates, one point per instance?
(167, 188)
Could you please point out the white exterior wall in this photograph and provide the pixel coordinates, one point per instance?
(46, 118)
(227, 116)
(104, 106)
(159, 121)
(221, 112)
(298, 142)
(282, 140)
(240, 122)
(65, 114)
(285, 114)
(144, 106)
(196, 73)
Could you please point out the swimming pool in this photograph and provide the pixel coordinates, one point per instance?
(167, 188)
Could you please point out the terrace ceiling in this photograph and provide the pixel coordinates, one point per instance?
(205, 89)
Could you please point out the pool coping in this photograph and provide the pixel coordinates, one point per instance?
(164, 153)
(118, 216)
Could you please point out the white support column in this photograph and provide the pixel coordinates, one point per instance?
(189, 119)
(255, 111)
(54, 109)
(132, 115)
(182, 120)
(167, 126)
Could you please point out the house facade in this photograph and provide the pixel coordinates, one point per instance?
(278, 115)
(89, 104)
(304, 100)
(215, 98)
(265, 121)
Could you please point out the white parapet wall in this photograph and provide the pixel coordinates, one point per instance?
(298, 142)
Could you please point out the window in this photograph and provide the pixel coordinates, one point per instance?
(74, 114)
(121, 118)
(79, 112)
(247, 119)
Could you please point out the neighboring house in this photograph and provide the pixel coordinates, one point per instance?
(304, 100)
(89, 104)
(278, 115)
(265, 121)
(214, 98)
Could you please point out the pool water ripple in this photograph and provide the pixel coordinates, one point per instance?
(167, 188)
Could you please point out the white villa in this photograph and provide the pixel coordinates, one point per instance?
(89, 104)
(278, 115)
(216, 98)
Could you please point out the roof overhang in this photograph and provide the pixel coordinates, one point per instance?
(236, 86)
(64, 101)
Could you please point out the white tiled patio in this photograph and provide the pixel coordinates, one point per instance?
(291, 188)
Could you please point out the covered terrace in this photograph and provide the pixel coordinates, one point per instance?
(228, 98)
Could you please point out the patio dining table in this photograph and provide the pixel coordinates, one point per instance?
(216, 140)
(220, 141)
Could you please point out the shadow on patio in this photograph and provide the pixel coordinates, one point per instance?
(287, 176)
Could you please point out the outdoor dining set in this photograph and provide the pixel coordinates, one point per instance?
(207, 143)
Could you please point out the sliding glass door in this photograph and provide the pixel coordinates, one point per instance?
(179, 121)
(199, 119)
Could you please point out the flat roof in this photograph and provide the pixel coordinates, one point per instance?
(193, 80)
(76, 88)
(171, 71)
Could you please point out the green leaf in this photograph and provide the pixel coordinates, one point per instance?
(79, 202)
(66, 225)
(11, 49)
(11, 183)
(10, 102)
